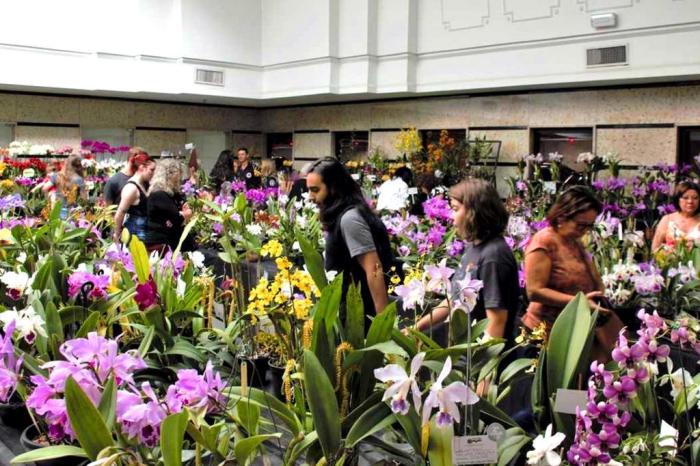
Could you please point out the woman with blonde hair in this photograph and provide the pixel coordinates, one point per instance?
(268, 171)
(67, 185)
(167, 212)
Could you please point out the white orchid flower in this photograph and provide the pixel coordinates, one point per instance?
(446, 398)
(401, 384)
(542, 453)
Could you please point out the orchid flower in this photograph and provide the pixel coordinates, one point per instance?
(467, 294)
(401, 383)
(446, 398)
(413, 294)
(439, 277)
(542, 453)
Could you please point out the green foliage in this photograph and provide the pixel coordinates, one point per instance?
(87, 422)
(322, 404)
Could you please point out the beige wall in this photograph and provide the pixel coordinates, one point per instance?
(312, 145)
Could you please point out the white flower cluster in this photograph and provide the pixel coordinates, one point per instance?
(518, 227)
(110, 165)
(683, 273)
(587, 158)
(25, 147)
(620, 282)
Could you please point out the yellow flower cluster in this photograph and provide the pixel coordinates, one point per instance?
(7, 184)
(282, 290)
(408, 141)
(272, 248)
(2, 167)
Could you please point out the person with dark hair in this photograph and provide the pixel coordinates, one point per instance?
(134, 201)
(299, 185)
(357, 242)
(113, 186)
(684, 223)
(222, 170)
(425, 182)
(393, 193)
(246, 170)
(480, 218)
(557, 267)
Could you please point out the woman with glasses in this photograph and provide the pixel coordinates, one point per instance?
(684, 223)
(557, 267)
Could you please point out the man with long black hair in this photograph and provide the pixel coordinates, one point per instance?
(357, 243)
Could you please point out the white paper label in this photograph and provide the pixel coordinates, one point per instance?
(355, 176)
(412, 191)
(567, 400)
(189, 146)
(371, 177)
(474, 449)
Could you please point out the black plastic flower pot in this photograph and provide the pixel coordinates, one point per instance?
(30, 441)
(256, 371)
(14, 414)
(273, 383)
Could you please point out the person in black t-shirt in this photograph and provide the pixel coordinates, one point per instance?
(113, 186)
(481, 218)
(246, 170)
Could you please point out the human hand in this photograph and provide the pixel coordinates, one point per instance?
(186, 212)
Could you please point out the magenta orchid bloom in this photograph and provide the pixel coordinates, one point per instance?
(401, 383)
(446, 398)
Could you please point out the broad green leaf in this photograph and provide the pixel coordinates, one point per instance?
(374, 419)
(185, 233)
(186, 349)
(322, 404)
(139, 256)
(266, 402)
(440, 446)
(354, 317)
(299, 448)
(249, 415)
(146, 341)
(379, 332)
(90, 325)
(89, 427)
(244, 448)
(313, 261)
(510, 446)
(411, 425)
(172, 435)
(567, 343)
(54, 325)
(386, 347)
(514, 368)
(49, 453)
(108, 403)
(495, 413)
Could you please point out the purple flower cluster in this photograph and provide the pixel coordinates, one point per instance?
(117, 254)
(437, 208)
(24, 181)
(13, 201)
(9, 364)
(600, 425)
(612, 184)
(194, 390)
(101, 147)
(189, 188)
(260, 196)
(81, 276)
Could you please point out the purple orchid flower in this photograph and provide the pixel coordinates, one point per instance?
(447, 398)
(401, 383)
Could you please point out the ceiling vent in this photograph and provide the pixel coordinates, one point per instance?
(606, 56)
(211, 77)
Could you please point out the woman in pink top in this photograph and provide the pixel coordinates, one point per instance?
(557, 267)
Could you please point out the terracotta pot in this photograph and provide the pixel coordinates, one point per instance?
(29, 442)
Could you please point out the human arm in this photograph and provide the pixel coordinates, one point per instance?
(374, 272)
(660, 233)
(435, 316)
(129, 196)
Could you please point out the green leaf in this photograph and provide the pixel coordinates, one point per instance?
(568, 339)
(322, 404)
(108, 403)
(89, 427)
(54, 325)
(185, 233)
(49, 453)
(186, 349)
(379, 332)
(139, 256)
(299, 448)
(313, 261)
(495, 413)
(355, 317)
(146, 341)
(386, 347)
(374, 419)
(266, 401)
(249, 415)
(90, 325)
(509, 447)
(514, 368)
(244, 448)
(172, 436)
(440, 446)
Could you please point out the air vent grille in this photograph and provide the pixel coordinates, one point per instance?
(607, 56)
(212, 77)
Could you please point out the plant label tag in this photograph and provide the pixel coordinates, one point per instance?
(550, 187)
(474, 449)
(371, 177)
(355, 176)
(412, 191)
(567, 400)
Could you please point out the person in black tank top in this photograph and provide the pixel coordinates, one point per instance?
(357, 242)
(132, 212)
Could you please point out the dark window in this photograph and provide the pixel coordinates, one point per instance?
(351, 145)
(432, 136)
(279, 145)
(569, 142)
(688, 144)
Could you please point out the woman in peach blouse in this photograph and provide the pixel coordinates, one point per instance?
(557, 267)
(684, 224)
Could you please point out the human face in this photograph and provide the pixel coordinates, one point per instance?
(459, 215)
(147, 171)
(242, 157)
(579, 225)
(689, 202)
(318, 191)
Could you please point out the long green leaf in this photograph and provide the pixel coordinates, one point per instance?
(187, 349)
(354, 317)
(379, 332)
(244, 448)
(139, 256)
(267, 403)
(49, 453)
(374, 419)
(108, 403)
(54, 325)
(387, 347)
(172, 435)
(510, 446)
(322, 404)
(440, 446)
(313, 261)
(146, 341)
(87, 423)
(90, 325)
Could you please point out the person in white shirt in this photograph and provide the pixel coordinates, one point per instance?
(393, 193)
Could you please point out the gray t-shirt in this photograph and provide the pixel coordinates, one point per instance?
(113, 188)
(356, 233)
